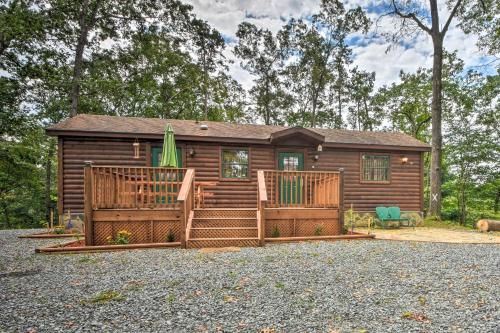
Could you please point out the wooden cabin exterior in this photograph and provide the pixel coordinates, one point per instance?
(232, 167)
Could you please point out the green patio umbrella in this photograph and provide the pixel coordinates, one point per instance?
(169, 152)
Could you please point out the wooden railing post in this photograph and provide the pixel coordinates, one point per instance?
(341, 199)
(88, 198)
(261, 206)
(186, 201)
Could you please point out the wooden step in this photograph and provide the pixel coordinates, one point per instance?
(197, 243)
(224, 213)
(239, 232)
(231, 222)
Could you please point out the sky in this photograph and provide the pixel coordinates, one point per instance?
(369, 51)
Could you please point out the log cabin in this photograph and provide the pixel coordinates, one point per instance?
(237, 184)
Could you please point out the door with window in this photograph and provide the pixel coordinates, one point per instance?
(155, 162)
(290, 185)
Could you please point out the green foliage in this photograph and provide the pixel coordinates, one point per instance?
(122, 237)
(276, 232)
(318, 230)
(104, 297)
(170, 236)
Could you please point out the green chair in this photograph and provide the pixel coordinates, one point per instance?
(383, 216)
(395, 214)
(391, 214)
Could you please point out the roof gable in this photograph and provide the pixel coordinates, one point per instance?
(298, 134)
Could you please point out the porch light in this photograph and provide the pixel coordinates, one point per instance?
(404, 160)
(191, 152)
(136, 146)
(320, 148)
(316, 157)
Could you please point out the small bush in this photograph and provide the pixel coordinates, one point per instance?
(170, 236)
(122, 237)
(276, 232)
(318, 230)
(59, 230)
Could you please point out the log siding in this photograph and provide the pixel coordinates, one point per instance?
(405, 189)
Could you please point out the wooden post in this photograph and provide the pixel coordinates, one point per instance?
(87, 195)
(341, 199)
(261, 206)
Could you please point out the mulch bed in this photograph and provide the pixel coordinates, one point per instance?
(79, 246)
(50, 235)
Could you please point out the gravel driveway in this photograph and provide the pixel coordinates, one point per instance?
(344, 286)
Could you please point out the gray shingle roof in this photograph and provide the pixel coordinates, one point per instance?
(130, 126)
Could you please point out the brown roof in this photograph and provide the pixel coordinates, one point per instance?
(96, 125)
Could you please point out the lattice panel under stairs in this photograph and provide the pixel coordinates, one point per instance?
(302, 228)
(223, 227)
(224, 232)
(142, 232)
(227, 242)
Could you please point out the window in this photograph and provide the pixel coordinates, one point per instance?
(375, 168)
(235, 163)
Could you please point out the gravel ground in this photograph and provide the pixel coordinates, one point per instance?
(345, 286)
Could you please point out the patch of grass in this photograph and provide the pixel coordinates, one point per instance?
(134, 285)
(88, 260)
(433, 222)
(279, 285)
(170, 299)
(173, 283)
(232, 274)
(422, 300)
(104, 297)
(229, 299)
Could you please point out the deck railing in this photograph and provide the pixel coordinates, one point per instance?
(135, 187)
(186, 200)
(302, 189)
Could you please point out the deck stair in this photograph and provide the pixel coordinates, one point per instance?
(221, 227)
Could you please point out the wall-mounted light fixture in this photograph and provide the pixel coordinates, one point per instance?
(192, 152)
(320, 148)
(404, 159)
(316, 157)
(137, 147)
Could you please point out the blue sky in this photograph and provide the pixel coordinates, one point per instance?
(369, 51)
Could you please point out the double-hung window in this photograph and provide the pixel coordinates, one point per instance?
(235, 163)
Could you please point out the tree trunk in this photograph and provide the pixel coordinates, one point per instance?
(488, 225)
(435, 197)
(339, 100)
(48, 180)
(497, 201)
(6, 215)
(461, 204)
(313, 115)
(84, 25)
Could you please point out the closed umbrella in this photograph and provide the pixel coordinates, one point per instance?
(169, 152)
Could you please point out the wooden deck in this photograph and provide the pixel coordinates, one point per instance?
(155, 203)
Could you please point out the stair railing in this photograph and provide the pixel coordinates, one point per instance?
(261, 206)
(186, 199)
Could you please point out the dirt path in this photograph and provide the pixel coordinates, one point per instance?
(424, 234)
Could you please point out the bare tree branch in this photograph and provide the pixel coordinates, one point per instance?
(411, 16)
(452, 14)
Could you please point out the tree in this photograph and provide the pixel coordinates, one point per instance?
(88, 23)
(263, 55)
(407, 103)
(415, 17)
(209, 45)
(319, 72)
(363, 114)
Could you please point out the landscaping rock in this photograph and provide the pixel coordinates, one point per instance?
(344, 286)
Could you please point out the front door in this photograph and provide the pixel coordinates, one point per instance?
(290, 185)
